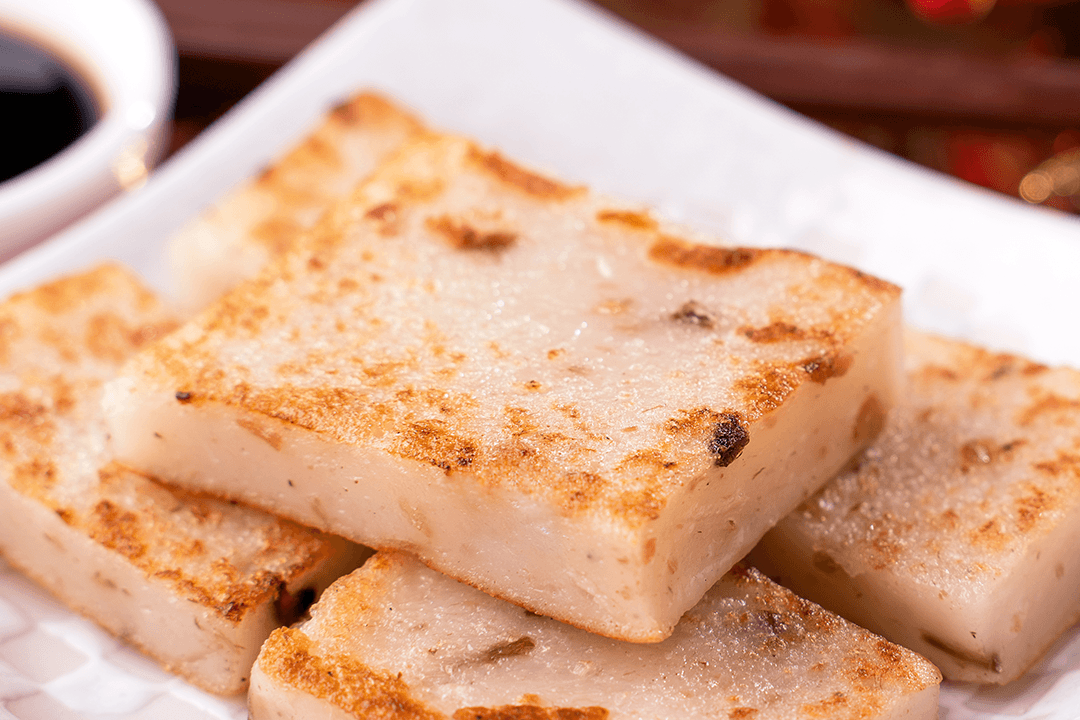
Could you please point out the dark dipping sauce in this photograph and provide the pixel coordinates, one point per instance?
(45, 106)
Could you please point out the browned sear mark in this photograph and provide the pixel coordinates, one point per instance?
(975, 452)
(741, 713)
(111, 337)
(1048, 404)
(117, 529)
(826, 708)
(277, 234)
(288, 657)
(371, 110)
(1004, 365)
(265, 434)
(522, 179)
(874, 283)
(348, 112)
(430, 441)
(1031, 506)
(648, 551)
(61, 296)
(827, 366)
(34, 478)
(989, 535)
(19, 408)
(778, 331)
(869, 422)
(1063, 465)
(530, 712)
(693, 313)
(386, 215)
(382, 212)
(936, 373)
(713, 260)
(729, 438)
(627, 218)
(768, 387)
(579, 489)
(883, 549)
(463, 236)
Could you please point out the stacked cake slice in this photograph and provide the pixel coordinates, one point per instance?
(195, 582)
(542, 394)
(398, 640)
(557, 400)
(956, 533)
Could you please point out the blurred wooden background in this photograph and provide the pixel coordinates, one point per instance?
(986, 91)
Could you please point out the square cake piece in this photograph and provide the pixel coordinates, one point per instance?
(194, 582)
(538, 392)
(396, 640)
(956, 534)
(259, 220)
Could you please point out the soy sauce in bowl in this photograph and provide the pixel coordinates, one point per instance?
(46, 105)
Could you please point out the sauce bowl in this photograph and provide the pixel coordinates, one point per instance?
(124, 55)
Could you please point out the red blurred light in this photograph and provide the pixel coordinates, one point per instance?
(951, 11)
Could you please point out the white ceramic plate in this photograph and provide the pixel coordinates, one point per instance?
(569, 90)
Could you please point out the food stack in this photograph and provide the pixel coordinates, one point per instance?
(195, 582)
(562, 422)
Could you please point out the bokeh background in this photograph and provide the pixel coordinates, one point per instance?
(985, 90)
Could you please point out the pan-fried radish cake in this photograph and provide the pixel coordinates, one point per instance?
(956, 534)
(260, 219)
(194, 582)
(396, 640)
(542, 394)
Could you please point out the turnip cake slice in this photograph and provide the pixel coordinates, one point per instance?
(544, 396)
(396, 640)
(196, 583)
(259, 220)
(956, 534)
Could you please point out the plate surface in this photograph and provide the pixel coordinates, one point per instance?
(571, 91)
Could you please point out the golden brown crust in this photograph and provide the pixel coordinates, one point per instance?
(350, 277)
(91, 323)
(872, 671)
(853, 673)
(288, 658)
(774, 332)
(706, 258)
(982, 454)
(167, 533)
(530, 712)
(301, 181)
(521, 179)
(67, 294)
(463, 236)
(374, 110)
(637, 220)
